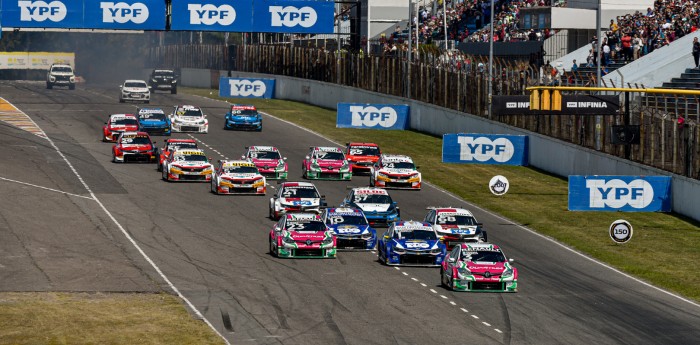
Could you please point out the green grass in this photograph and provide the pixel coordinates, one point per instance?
(663, 250)
(98, 318)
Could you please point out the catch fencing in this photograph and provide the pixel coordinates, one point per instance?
(453, 80)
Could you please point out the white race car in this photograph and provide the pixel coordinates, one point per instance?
(187, 165)
(395, 171)
(237, 177)
(455, 225)
(188, 118)
(134, 90)
(294, 197)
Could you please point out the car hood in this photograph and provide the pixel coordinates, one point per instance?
(241, 176)
(189, 118)
(270, 163)
(349, 229)
(457, 229)
(327, 162)
(417, 244)
(137, 147)
(135, 89)
(191, 164)
(62, 73)
(122, 127)
(300, 201)
(481, 267)
(374, 207)
(402, 172)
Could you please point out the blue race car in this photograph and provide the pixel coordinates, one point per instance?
(153, 121)
(411, 243)
(350, 228)
(376, 203)
(243, 117)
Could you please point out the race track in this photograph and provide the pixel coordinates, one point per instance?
(214, 248)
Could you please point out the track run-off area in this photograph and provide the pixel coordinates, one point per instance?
(75, 221)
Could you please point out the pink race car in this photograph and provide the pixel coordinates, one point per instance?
(302, 235)
(326, 163)
(268, 160)
(478, 267)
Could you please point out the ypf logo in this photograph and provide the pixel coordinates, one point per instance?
(483, 149)
(209, 14)
(246, 87)
(291, 16)
(40, 11)
(616, 193)
(371, 116)
(122, 12)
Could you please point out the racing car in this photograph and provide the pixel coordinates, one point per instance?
(153, 121)
(188, 118)
(133, 147)
(302, 235)
(478, 267)
(410, 243)
(117, 124)
(455, 225)
(326, 163)
(237, 177)
(295, 197)
(395, 171)
(376, 203)
(243, 117)
(170, 146)
(268, 161)
(134, 90)
(187, 165)
(362, 156)
(350, 228)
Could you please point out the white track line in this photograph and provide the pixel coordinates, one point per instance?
(47, 188)
(131, 239)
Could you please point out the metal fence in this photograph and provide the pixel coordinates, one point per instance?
(456, 81)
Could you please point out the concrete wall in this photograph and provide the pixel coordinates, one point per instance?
(546, 153)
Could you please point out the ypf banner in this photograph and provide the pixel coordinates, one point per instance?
(485, 149)
(372, 116)
(294, 16)
(246, 88)
(88, 14)
(212, 15)
(620, 193)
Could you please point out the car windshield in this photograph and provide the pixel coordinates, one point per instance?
(191, 158)
(335, 156)
(62, 69)
(136, 140)
(163, 73)
(416, 235)
(240, 170)
(135, 84)
(371, 199)
(294, 192)
(400, 165)
(354, 219)
(450, 219)
(306, 226)
(124, 121)
(364, 151)
(264, 154)
(485, 256)
(244, 112)
(190, 112)
(152, 116)
(175, 146)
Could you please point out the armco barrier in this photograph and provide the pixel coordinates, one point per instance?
(546, 153)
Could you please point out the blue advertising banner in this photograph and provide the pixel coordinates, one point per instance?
(372, 116)
(125, 14)
(294, 16)
(246, 87)
(42, 14)
(620, 193)
(212, 15)
(485, 149)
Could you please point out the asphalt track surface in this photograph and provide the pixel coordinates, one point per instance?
(214, 248)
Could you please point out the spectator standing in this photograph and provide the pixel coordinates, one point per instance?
(637, 44)
(696, 51)
(574, 68)
(627, 47)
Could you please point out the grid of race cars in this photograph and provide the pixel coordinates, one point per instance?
(305, 226)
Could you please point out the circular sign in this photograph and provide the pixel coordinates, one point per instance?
(620, 231)
(499, 185)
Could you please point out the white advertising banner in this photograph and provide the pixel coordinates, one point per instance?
(34, 60)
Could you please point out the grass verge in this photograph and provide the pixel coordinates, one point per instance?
(99, 318)
(662, 251)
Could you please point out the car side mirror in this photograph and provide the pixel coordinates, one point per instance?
(242, 157)
(451, 260)
(511, 260)
(386, 237)
(417, 167)
(284, 158)
(307, 157)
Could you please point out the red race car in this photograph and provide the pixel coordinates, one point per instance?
(362, 156)
(172, 145)
(117, 124)
(133, 147)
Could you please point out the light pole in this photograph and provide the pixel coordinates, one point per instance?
(598, 56)
(490, 86)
